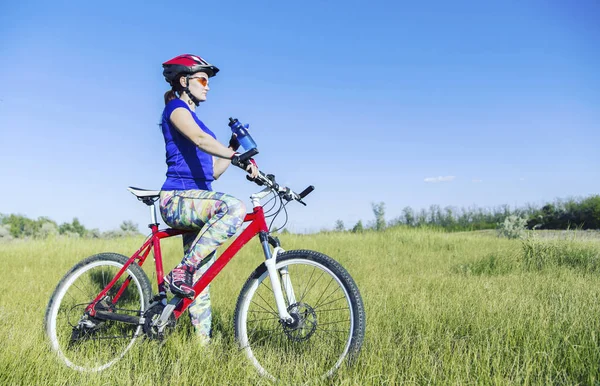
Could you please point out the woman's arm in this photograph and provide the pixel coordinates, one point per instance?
(184, 122)
(219, 166)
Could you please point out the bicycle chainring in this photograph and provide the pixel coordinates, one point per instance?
(152, 315)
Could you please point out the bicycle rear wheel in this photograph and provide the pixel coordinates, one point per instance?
(87, 343)
(329, 318)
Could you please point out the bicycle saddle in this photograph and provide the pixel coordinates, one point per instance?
(144, 194)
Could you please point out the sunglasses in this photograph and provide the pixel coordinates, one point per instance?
(201, 80)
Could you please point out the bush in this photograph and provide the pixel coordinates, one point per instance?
(5, 232)
(513, 227)
(48, 229)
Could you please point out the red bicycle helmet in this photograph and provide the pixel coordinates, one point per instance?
(187, 64)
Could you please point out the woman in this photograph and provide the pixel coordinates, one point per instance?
(194, 159)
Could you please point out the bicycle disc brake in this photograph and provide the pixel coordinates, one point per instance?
(154, 331)
(304, 323)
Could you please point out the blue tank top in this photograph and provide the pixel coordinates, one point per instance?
(188, 167)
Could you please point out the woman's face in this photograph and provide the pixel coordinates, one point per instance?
(199, 85)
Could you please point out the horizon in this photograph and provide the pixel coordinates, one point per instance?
(366, 223)
(413, 105)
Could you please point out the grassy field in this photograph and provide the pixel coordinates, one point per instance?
(442, 308)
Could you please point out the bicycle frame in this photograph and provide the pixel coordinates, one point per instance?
(257, 226)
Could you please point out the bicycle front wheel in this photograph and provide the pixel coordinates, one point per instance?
(86, 343)
(328, 313)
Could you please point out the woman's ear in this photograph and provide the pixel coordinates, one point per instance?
(183, 81)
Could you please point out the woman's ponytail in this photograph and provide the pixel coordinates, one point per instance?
(169, 96)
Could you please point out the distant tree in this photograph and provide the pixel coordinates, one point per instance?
(447, 218)
(379, 212)
(422, 218)
(74, 227)
(129, 227)
(435, 215)
(409, 216)
(21, 226)
(339, 226)
(396, 221)
(590, 212)
(358, 228)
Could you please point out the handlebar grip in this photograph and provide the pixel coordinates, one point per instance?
(241, 161)
(247, 155)
(306, 192)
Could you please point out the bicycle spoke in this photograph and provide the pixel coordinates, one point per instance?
(87, 342)
(308, 283)
(75, 285)
(259, 320)
(315, 342)
(328, 334)
(266, 302)
(261, 312)
(333, 301)
(334, 309)
(330, 330)
(261, 339)
(339, 321)
(273, 312)
(325, 290)
(68, 293)
(266, 286)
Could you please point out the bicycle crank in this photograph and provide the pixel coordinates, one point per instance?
(155, 330)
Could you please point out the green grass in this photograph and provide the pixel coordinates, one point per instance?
(442, 308)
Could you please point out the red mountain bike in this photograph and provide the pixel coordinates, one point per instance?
(307, 317)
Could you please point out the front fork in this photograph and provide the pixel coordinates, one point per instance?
(278, 279)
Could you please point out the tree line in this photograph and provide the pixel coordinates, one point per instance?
(19, 227)
(572, 213)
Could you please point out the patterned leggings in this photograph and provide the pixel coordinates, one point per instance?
(214, 217)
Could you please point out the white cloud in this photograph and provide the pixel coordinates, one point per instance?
(439, 179)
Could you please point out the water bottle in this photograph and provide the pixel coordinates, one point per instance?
(241, 132)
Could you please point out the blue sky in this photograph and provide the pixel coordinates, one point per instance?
(368, 102)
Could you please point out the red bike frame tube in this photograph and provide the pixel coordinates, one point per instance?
(257, 224)
(142, 253)
(91, 307)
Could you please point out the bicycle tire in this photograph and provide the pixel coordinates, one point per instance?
(296, 344)
(82, 349)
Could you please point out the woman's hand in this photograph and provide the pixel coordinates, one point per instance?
(252, 168)
(234, 144)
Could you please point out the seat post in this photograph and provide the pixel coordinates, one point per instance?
(153, 214)
(151, 202)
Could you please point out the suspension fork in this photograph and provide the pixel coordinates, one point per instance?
(270, 262)
(286, 282)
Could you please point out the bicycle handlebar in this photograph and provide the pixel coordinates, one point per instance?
(242, 161)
